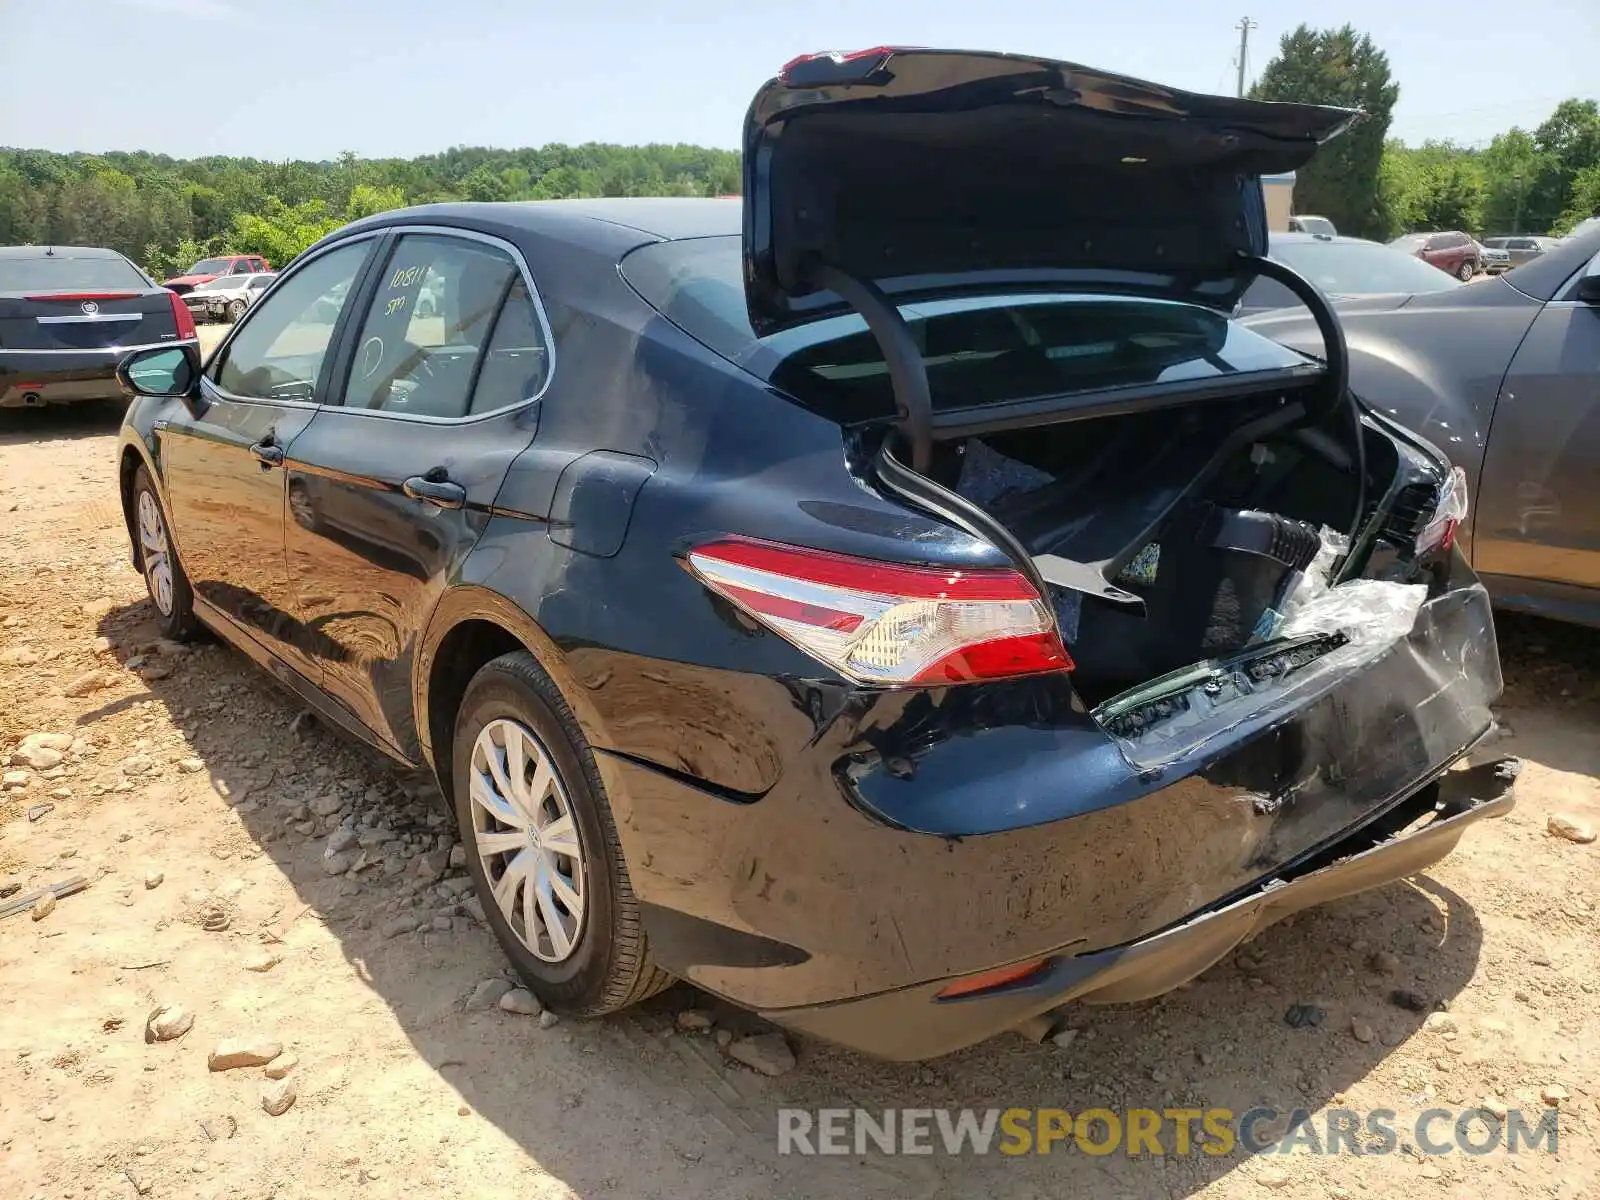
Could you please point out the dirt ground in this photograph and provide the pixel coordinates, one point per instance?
(199, 811)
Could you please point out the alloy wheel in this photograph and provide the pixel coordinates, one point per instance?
(156, 552)
(527, 840)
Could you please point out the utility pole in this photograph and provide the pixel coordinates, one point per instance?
(1244, 27)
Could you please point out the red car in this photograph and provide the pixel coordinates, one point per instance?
(1451, 251)
(208, 269)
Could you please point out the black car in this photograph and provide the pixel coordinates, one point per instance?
(899, 602)
(69, 314)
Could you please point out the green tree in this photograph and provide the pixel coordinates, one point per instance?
(1339, 67)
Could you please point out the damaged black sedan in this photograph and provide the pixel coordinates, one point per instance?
(900, 602)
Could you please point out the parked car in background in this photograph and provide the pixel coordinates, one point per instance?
(69, 314)
(893, 625)
(1451, 251)
(1309, 224)
(1495, 260)
(1344, 268)
(208, 269)
(1505, 377)
(226, 297)
(1519, 248)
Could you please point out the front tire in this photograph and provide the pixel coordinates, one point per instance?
(235, 311)
(158, 562)
(1466, 271)
(542, 845)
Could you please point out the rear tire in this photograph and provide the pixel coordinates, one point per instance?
(158, 562)
(1466, 270)
(566, 915)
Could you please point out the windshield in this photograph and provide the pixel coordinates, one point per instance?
(209, 266)
(217, 284)
(1317, 225)
(1357, 268)
(59, 273)
(978, 349)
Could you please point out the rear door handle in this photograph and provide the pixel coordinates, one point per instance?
(268, 453)
(441, 493)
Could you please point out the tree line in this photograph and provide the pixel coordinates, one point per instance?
(166, 213)
(1542, 181)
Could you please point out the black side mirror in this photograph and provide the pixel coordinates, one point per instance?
(1588, 290)
(167, 372)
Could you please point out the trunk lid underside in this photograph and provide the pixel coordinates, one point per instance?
(927, 170)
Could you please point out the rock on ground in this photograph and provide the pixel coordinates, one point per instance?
(278, 1097)
(487, 994)
(522, 1002)
(1573, 828)
(280, 1067)
(768, 1053)
(167, 1022)
(243, 1052)
(694, 1020)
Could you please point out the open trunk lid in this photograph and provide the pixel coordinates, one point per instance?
(932, 172)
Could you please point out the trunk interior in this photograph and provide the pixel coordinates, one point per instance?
(1173, 537)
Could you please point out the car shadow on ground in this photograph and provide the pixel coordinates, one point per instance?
(60, 421)
(630, 1106)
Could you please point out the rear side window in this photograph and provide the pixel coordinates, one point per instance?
(978, 350)
(57, 273)
(450, 331)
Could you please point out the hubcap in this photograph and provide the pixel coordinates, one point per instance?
(527, 840)
(155, 552)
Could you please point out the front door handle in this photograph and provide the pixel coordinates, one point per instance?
(441, 493)
(268, 453)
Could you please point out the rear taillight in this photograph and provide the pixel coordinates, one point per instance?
(887, 623)
(184, 318)
(1448, 512)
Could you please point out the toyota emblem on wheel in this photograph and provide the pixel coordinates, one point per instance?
(89, 307)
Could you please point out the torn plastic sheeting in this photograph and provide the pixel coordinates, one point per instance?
(1447, 657)
(1367, 611)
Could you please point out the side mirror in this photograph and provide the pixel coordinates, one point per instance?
(1588, 290)
(166, 372)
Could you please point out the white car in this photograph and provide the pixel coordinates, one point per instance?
(226, 297)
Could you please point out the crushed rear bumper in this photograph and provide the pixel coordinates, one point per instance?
(914, 1023)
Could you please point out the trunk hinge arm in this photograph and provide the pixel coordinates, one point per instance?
(908, 374)
(1337, 356)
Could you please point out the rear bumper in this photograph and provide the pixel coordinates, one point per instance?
(928, 836)
(914, 1023)
(35, 378)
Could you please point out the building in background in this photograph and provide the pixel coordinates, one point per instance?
(1279, 193)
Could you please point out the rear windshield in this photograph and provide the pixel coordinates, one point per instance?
(978, 349)
(1357, 268)
(57, 273)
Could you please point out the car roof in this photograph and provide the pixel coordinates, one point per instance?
(593, 223)
(1277, 239)
(57, 252)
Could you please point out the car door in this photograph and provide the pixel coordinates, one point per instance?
(394, 481)
(222, 461)
(1538, 506)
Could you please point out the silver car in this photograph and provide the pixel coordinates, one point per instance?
(1518, 249)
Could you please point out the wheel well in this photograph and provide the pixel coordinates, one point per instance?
(131, 462)
(462, 653)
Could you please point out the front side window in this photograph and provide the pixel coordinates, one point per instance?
(278, 352)
(259, 283)
(430, 340)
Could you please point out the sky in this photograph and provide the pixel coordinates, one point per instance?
(308, 79)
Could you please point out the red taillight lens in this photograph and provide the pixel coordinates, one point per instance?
(988, 980)
(184, 318)
(888, 623)
(78, 297)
